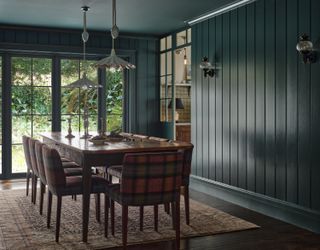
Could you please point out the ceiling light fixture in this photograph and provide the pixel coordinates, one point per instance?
(113, 61)
(219, 11)
(84, 82)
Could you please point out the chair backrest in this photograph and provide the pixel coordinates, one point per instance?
(39, 158)
(33, 159)
(187, 159)
(25, 142)
(151, 178)
(53, 168)
(153, 138)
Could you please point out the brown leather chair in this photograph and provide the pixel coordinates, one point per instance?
(61, 185)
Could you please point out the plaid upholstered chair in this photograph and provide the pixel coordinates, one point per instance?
(61, 185)
(148, 179)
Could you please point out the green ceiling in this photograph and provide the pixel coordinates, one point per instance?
(153, 17)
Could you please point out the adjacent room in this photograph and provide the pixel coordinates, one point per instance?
(135, 124)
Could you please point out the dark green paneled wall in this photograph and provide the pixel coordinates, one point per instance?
(256, 124)
(143, 93)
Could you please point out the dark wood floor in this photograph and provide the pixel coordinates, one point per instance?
(273, 234)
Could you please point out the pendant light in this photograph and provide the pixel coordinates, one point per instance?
(84, 82)
(113, 61)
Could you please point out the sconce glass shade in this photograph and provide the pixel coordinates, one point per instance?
(205, 64)
(304, 45)
(179, 104)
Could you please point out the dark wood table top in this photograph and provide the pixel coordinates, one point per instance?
(88, 147)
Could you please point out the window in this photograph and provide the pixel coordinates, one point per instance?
(73, 99)
(114, 100)
(31, 103)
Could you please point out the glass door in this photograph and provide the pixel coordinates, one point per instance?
(31, 103)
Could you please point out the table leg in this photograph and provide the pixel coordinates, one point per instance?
(86, 172)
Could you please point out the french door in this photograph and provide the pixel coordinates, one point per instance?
(27, 107)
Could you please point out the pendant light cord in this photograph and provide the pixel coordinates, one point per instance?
(84, 39)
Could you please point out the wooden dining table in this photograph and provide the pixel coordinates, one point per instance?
(88, 155)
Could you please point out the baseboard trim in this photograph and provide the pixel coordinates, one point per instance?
(285, 211)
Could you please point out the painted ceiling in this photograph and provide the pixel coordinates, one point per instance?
(152, 17)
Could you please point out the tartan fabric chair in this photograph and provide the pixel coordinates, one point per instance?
(61, 185)
(148, 179)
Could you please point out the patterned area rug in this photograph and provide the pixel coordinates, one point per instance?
(22, 227)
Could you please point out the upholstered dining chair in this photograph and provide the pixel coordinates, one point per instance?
(61, 185)
(30, 172)
(70, 168)
(116, 171)
(147, 179)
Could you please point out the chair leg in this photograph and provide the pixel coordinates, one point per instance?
(141, 217)
(49, 209)
(28, 181)
(97, 199)
(167, 208)
(58, 217)
(186, 204)
(155, 215)
(173, 214)
(42, 191)
(112, 217)
(177, 221)
(32, 187)
(35, 189)
(106, 214)
(124, 225)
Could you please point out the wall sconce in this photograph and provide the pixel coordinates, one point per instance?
(305, 48)
(207, 68)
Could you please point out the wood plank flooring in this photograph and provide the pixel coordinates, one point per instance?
(273, 234)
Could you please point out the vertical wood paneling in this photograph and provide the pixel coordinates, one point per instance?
(241, 134)
(199, 106)
(205, 107)
(281, 100)
(304, 132)
(234, 97)
(260, 98)
(263, 105)
(315, 106)
(270, 98)
(226, 98)
(219, 100)
(212, 102)
(292, 103)
(251, 98)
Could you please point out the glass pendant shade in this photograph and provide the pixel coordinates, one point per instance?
(113, 61)
(84, 83)
(304, 45)
(205, 64)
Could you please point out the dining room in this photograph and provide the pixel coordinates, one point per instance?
(129, 124)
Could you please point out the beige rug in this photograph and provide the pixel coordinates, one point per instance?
(21, 226)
